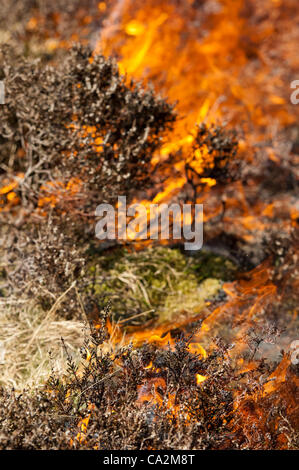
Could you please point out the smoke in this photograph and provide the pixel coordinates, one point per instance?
(110, 24)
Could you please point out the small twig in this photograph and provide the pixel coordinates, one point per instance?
(135, 316)
(99, 381)
(52, 309)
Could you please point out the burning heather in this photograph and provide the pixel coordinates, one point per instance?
(132, 341)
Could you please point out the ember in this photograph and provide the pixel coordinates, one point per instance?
(156, 104)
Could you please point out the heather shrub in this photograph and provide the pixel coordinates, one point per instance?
(150, 398)
(80, 134)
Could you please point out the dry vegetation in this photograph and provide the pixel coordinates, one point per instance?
(31, 344)
(73, 371)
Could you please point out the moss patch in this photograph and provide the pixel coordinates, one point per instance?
(158, 282)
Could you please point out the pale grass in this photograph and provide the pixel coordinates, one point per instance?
(27, 335)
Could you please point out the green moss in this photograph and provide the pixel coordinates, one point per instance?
(207, 264)
(188, 299)
(160, 281)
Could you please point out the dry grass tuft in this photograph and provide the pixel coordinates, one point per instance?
(31, 346)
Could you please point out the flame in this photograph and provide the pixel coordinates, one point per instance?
(200, 379)
(213, 64)
(83, 425)
(161, 42)
(54, 191)
(217, 65)
(8, 195)
(278, 376)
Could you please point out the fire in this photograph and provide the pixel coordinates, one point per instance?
(83, 425)
(213, 64)
(216, 67)
(278, 376)
(8, 195)
(53, 192)
(200, 378)
(163, 43)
